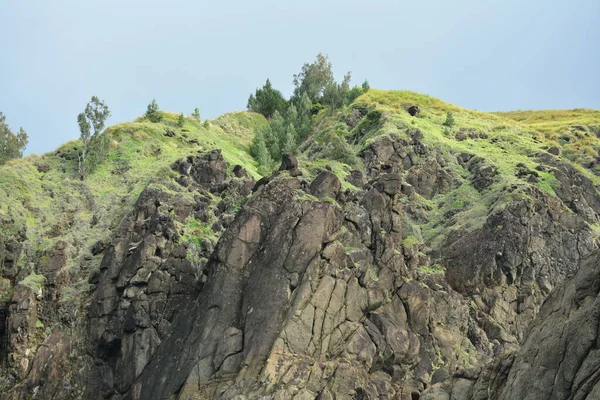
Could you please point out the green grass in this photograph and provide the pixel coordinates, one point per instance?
(33, 281)
(410, 242)
(56, 205)
(435, 269)
(547, 183)
(574, 131)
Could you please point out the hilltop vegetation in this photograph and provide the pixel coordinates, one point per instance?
(45, 197)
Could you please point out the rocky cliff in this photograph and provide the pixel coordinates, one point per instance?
(393, 259)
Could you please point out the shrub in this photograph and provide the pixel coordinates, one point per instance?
(449, 119)
(316, 108)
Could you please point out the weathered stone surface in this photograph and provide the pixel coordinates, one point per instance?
(326, 184)
(400, 287)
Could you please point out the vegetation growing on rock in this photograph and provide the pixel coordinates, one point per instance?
(395, 255)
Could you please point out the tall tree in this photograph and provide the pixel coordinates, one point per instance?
(94, 116)
(288, 140)
(96, 111)
(304, 116)
(275, 132)
(11, 144)
(261, 153)
(333, 95)
(313, 79)
(85, 136)
(267, 100)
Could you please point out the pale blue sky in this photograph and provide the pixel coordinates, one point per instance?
(485, 55)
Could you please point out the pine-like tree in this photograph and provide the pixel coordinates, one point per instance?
(153, 113)
(276, 132)
(304, 125)
(267, 100)
(181, 120)
(288, 140)
(449, 122)
(196, 114)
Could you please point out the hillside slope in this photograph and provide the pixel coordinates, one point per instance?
(402, 258)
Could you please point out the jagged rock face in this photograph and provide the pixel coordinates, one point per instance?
(315, 292)
(426, 171)
(286, 305)
(147, 278)
(560, 357)
(511, 264)
(144, 279)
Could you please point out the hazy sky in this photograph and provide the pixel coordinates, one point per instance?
(485, 55)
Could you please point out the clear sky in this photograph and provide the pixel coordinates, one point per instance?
(480, 54)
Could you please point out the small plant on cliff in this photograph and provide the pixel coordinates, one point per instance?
(449, 122)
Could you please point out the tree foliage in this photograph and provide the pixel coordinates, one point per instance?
(291, 122)
(260, 152)
(153, 113)
(267, 100)
(365, 86)
(11, 144)
(94, 116)
(180, 120)
(96, 112)
(314, 78)
(196, 114)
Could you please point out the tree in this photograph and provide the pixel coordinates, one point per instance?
(196, 114)
(288, 140)
(353, 93)
(274, 134)
(180, 120)
(96, 112)
(365, 86)
(267, 100)
(449, 122)
(313, 79)
(333, 95)
(94, 116)
(153, 113)
(85, 136)
(345, 85)
(304, 125)
(11, 144)
(260, 152)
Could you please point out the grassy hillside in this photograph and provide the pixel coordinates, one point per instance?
(44, 196)
(575, 131)
(507, 141)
